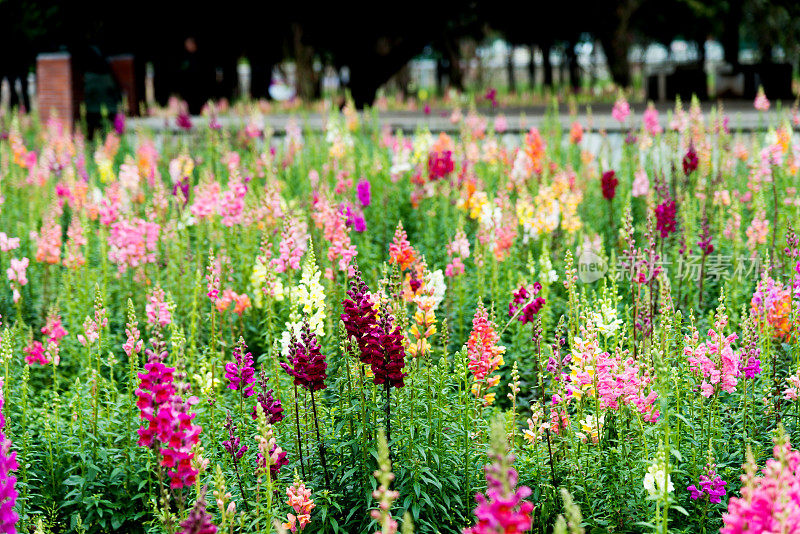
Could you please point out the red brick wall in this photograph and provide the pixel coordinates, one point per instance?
(124, 72)
(55, 87)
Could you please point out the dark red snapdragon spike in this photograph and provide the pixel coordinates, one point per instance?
(307, 363)
(666, 214)
(199, 521)
(387, 369)
(232, 447)
(273, 409)
(690, 161)
(532, 306)
(608, 185)
(360, 319)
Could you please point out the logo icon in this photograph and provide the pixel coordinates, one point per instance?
(591, 267)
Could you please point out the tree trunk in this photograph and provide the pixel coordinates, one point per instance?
(574, 68)
(615, 39)
(532, 67)
(547, 66)
(730, 32)
(512, 78)
(454, 66)
(305, 77)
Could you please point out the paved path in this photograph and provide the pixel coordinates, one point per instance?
(742, 118)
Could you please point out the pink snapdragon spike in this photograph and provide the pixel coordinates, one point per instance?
(158, 308)
(641, 184)
(231, 205)
(169, 428)
(650, 120)
(621, 109)
(769, 502)
(293, 245)
(17, 276)
(34, 353)
(8, 464)
(761, 103)
(341, 251)
(714, 361)
(8, 243)
(132, 243)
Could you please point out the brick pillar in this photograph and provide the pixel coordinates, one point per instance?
(123, 68)
(55, 87)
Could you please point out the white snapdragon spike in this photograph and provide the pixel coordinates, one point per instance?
(308, 297)
(435, 280)
(261, 280)
(422, 145)
(656, 479)
(605, 318)
(401, 161)
(546, 267)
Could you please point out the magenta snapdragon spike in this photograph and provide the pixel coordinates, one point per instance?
(184, 435)
(503, 508)
(241, 373)
(363, 191)
(532, 305)
(156, 388)
(8, 464)
(710, 484)
(705, 237)
(199, 521)
(308, 365)
(233, 444)
(273, 409)
(440, 164)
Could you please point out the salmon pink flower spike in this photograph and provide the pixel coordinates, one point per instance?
(761, 103)
(302, 504)
(400, 251)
